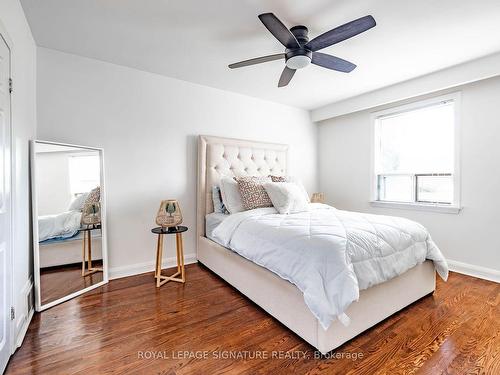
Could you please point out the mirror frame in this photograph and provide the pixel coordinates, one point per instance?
(34, 212)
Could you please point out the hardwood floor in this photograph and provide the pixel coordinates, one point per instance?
(131, 327)
(57, 282)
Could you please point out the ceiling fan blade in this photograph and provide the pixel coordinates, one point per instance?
(341, 33)
(257, 60)
(286, 76)
(280, 31)
(332, 62)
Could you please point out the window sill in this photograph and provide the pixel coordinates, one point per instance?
(449, 209)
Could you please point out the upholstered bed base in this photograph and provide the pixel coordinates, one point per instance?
(67, 252)
(281, 299)
(285, 302)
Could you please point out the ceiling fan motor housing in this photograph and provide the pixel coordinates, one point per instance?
(300, 33)
(298, 58)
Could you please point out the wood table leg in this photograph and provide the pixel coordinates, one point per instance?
(89, 248)
(180, 256)
(157, 253)
(160, 257)
(87, 245)
(177, 249)
(83, 252)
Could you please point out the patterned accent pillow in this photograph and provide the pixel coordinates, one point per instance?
(94, 196)
(278, 178)
(253, 194)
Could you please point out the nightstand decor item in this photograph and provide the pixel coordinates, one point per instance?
(169, 215)
(91, 213)
(318, 198)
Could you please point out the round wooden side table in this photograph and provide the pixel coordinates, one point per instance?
(160, 279)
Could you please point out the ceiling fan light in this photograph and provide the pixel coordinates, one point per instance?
(298, 62)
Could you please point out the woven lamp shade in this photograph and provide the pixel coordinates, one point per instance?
(169, 214)
(318, 198)
(91, 213)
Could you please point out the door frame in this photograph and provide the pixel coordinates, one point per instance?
(10, 298)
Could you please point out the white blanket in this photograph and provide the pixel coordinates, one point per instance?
(329, 254)
(63, 225)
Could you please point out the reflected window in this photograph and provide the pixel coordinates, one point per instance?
(84, 173)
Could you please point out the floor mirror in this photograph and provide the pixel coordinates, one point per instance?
(69, 221)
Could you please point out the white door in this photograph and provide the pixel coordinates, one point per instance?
(5, 209)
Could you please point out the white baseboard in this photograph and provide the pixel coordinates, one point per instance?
(475, 271)
(135, 269)
(455, 266)
(24, 312)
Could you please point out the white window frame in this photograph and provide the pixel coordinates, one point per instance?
(455, 206)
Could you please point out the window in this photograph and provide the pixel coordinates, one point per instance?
(84, 173)
(415, 158)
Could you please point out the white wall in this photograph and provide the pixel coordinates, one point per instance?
(148, 126)
(469, 237)
(23, 65)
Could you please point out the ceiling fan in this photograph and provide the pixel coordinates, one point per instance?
(300, 51)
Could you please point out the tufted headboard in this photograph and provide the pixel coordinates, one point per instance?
(218, 157)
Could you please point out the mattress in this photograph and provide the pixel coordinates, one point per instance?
(212, 221)
(77, 237)
(59, 226)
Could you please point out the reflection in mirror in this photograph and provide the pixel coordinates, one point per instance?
(68, 199)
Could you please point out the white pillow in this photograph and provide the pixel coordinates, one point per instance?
(287, 197)
(231, 196)
(77, 203)
(291, 179)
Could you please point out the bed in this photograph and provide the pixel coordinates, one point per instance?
(280, 298)
(68, 251)
(61, 239)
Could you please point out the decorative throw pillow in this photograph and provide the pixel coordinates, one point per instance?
(219, 206)
(77, 203)
(94, 195)
(293, 180)
(278, 178)
(253, 194)
(287, 197)
(231, 196)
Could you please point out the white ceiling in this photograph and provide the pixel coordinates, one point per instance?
(196, 40)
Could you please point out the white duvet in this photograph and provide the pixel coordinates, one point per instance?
(63, 225)
(329, 254)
